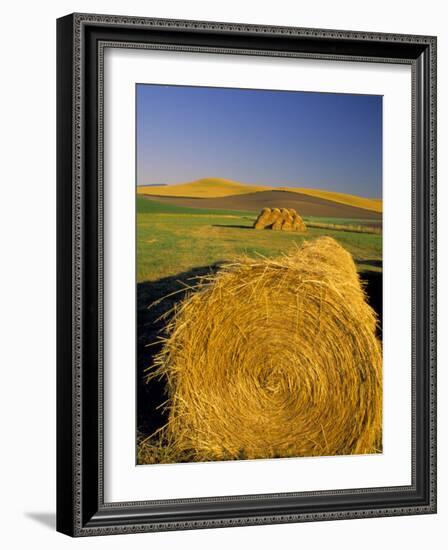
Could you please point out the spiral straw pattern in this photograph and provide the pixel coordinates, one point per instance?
(272, 358)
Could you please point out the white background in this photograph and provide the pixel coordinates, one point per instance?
(27, 287)
(125, 482)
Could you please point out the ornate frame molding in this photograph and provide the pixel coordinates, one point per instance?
(82, 511)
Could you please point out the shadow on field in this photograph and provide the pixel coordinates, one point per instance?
(373, 285)
(149, 325)
(150, 396)
(233, 226)
(372, 263)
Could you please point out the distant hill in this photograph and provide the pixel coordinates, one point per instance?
(306, 205)
(155, 185)
(211, 188)
(207, 187)
(375, 205)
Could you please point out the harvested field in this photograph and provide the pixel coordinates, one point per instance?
(221, 187)
(305, 204)
(244, 377)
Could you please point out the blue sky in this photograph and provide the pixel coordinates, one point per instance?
(276, 138)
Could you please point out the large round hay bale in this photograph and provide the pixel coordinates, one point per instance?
(273, 358)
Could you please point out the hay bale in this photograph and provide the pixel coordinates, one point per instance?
(273, 358)
(287, 220)
(298, 224)
(280, 220)
(277, 217)
(263, 219)
(267, 218)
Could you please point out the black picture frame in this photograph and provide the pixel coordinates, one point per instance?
(81, 510)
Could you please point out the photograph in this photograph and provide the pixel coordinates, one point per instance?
(259, 273)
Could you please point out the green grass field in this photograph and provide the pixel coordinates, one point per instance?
(173, 239)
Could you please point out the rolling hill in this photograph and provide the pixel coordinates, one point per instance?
(375, 205)
(307, 205)
(214, 188)
(203, 188)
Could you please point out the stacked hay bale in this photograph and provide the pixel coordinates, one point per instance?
(288, 220)
(264, 219)
(279, 219)
(285, 219)
(272, 358)
(298, 223)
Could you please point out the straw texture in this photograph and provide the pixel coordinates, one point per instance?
(284, 219)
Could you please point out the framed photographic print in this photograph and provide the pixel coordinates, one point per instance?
(246, 274)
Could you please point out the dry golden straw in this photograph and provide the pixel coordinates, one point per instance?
(265, 218)
(280, 220)
(272, 358)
